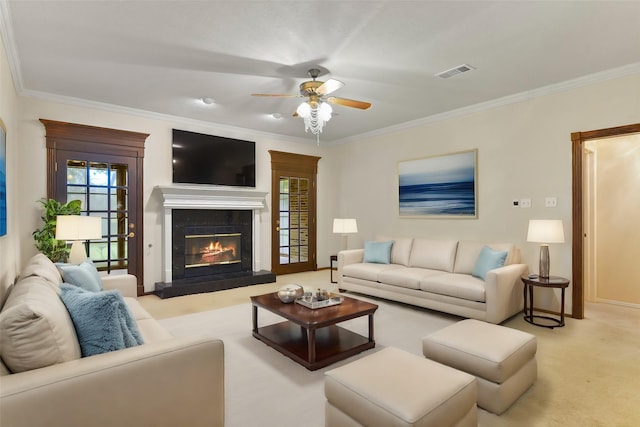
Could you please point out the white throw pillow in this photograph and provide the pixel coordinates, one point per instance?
(35, 327)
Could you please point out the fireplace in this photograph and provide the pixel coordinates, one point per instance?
(209, 249)
(211, 240)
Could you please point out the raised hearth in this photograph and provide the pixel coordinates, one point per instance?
(198, 285)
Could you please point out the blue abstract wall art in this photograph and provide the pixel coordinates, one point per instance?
(3, 179)
(441, 186)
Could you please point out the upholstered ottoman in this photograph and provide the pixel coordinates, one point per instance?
(502, 359)
(396, 388)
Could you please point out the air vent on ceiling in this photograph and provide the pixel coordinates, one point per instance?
(455, 70)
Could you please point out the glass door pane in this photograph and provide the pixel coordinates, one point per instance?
(102, 188)
(294, 220)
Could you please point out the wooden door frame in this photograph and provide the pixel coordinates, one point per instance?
(91, 139)
(578, 140)
(294, 163)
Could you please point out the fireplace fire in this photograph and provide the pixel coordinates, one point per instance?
(212, 249)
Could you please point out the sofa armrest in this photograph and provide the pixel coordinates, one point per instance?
(504, 291)
(349, 256)
(126, 283)
(168, 383)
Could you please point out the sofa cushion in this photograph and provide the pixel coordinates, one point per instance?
(84, 275)
(406, 277)
(433, 254)
(401, 249)
(41, 266)
(35, 327)
(455, 285)
(367, 271)
(102, 320)
(378, 252)
(468, 252)
(150, 329)
(488, 260)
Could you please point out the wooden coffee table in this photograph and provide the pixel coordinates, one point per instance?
(311, 337)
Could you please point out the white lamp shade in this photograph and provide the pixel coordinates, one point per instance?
(545, 231)
(78, 227)
(345, 225)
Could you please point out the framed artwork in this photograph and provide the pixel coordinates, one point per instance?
(3, 179)
(443, 186)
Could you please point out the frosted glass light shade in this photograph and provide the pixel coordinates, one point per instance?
(304, 110)
(345, 225)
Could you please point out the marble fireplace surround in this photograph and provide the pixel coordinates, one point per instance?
(178, 196)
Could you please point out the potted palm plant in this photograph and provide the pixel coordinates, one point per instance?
(45, 236)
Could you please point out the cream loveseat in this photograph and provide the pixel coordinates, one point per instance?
(166, 381)
(437, 274)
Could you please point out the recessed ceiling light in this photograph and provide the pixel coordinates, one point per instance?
(207, 100)
(277, 115)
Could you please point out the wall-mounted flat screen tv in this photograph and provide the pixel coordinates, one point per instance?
(215, 160)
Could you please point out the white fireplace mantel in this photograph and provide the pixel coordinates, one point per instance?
(179, 196)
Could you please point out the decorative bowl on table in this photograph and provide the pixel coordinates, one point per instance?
(289, 293)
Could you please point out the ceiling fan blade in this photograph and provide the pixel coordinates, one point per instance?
(349, 102)
(286, 95)
(329, 86)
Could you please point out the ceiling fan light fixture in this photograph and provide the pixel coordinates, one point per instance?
(315, 116)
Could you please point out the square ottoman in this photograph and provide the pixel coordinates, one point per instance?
(502, 359)
(396, 388)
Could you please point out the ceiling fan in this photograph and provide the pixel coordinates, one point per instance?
(315, 110)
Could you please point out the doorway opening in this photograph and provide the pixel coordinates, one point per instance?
(581, 215)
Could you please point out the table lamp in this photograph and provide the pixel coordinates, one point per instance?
(545, 231)
(77, 228)
(345, 226)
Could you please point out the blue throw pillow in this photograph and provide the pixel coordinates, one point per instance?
(102, 320)
(488, 260)
(378, 252)
(84, 275)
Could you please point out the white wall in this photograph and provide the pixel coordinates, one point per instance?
(524, 150)
(9, 243)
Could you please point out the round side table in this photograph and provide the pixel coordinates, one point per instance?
(553, 282)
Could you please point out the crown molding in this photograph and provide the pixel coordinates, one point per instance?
(6, 30)
(499, 102)
(225, 130)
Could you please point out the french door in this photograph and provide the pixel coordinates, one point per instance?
(102, 184)
(293, 201)
(103, 168)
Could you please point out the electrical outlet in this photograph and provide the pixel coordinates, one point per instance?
(550, 202)
(525, 203)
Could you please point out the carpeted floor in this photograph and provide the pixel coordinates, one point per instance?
(588, 371)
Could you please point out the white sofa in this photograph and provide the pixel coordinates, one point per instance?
(436, 274)
(166, 381)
